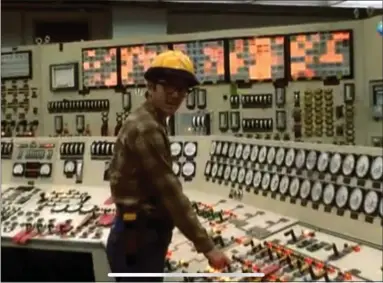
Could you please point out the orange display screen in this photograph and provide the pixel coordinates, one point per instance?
(135, 60)
(208, 59)
(257, 59)
(320, 55)
(99, 67)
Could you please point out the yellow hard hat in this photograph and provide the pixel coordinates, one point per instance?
(172, 64)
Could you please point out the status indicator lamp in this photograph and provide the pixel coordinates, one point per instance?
(380, 28)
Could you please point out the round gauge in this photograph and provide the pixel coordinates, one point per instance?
(305, 189)
(356, 199)
(335, 163)
(328, 194)
(45, 169)
(87, 208)
(18, 169)
(176, 168)
(254, 153)
(371, 202)
(274, 183)
(218, 148)
(376, 170)
(69, 166)
(241, 175)
(246, 152)
(208, 168)
(294, 187)
(266, 181)
(59, 207)
(317, 191)
(188, 169)
(381, 207)
(249, 177)
(280, 156)
(234, 174)
(112, 149)
(214, 170)
(238, 151)
(220, 170)
(190, 149)
(257, 179)
(362, 166)
(323, 161)
(311, 160)
(284, 185)
(341, 197)
(348, 165)
(62, 148)
(271, 155)
(213, 147)
(226, 173)
(290, 157)
(262, 154)
(300, 159)
(175, 148)
(232, 150)
(73, 207)
(225, 148)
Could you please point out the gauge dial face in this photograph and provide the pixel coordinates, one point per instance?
(271, 155)
(300, 159)
(294, 187)
(213, 147)
(18, 169)
(262, 154)
(311, 160)
(208, 168)
(323, 161)
(274, 183)
(348, 165)
(175, 148)
(362, 166)
(266, 181)
(290, 157)
(234, 174)
(254, 153)
(241, 175)
(218, 148)
(73, 208)
(176, 168)
(45, 169)
(190, 149)
(188, 169)
(249, 177)
(226, 173)
(371, 202)
(220, 170)
(280, 156)
(225, 148)
(59, 207)
(246, 152)
(328, 194)
(214, 170)
(341, 197)
(317, 191)
(238, 151)
(69, 166)
(305, 189)
(335, 163)
(376, 170)
(257, 179)
(284, 185)
(232, 148)
(356, 199)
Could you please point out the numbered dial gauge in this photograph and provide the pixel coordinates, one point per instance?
(300, 159)
(241, 175)
(376, 171)
(73, 208)
(323, 161)
(226, 173)
(18, 169)
(317, 192)
(274, 183)
(221, 167)
(257, 179)
(188, 169)
(341, 197)
(45, 169)
(190, 149)
(176, 168)
(305, 189)
(225, 148)
(234, 174)
(329, 194)
(69, 167)
(290, 157)
(238, 151)
(214, 170)
(176, 149)
(280, 156)
(362, 166)
(213, 147)
(266, 181)
(356, 199)
(208, 168)
(232, 148)
(262, 154)
(271, 155)
(371, 202)
(249, 177)
(294, 187)
(218, 148)
(254, 153)
(311, 160)
(284, 185)
(335, 163)
(348, 165)
(246, 152)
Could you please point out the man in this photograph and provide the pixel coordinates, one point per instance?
(148, 196)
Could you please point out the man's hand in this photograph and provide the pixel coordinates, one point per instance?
(217, 259)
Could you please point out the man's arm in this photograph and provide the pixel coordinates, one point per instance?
(151, 148)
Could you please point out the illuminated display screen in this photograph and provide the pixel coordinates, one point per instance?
(99, 67)
(208, 59)
(135, 60)
(319, 55)
(257, 59)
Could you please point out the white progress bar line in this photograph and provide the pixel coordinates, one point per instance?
(174, 275)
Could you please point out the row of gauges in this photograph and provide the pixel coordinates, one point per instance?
(68, 106)
(73, 208)
(32, 169)
(186, 169)
(199, 121)
(187, 149)
(323, 162)
(6, 148)
(251, 100)
(102, 148)
(356, 199)
(72, 148)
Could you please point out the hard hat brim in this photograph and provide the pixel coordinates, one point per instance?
(154, 74)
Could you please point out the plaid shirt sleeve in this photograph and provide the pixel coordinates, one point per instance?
(152, 148)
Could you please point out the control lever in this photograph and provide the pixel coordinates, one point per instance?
(335, 250)
(43, 197)
(292, 234)
(118, 124)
